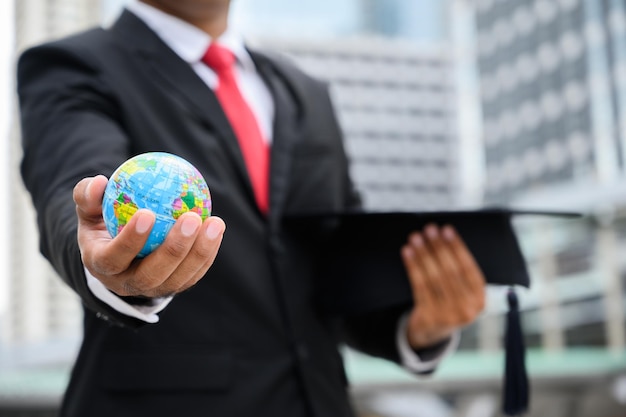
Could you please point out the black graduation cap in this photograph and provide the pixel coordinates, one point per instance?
(360, 269)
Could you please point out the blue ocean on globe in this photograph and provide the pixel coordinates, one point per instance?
(166, 184)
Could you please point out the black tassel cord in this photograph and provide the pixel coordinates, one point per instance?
(516, 392)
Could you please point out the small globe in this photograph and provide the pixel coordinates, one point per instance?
(166, 184)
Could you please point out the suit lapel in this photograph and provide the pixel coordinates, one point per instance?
(286, 128)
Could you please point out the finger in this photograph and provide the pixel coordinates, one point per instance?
(451, 277)
(430, 268)
(188, 284)
(428, 321)
(422, 293)
(470, 269)
(474, 280)
(198, 261)
(463, 302)
(158, 267)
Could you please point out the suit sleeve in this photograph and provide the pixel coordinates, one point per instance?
(71, 129)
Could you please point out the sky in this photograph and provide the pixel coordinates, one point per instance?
(6, 97)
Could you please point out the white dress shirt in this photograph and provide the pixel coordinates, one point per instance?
(190, 43)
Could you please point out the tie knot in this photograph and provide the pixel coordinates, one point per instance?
(218, 58)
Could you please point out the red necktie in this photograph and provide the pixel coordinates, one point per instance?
(254, 148)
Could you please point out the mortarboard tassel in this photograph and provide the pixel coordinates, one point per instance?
(515, 401)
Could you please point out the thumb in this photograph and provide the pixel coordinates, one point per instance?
(87, 195)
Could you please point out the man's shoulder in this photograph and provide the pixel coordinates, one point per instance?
(287, 67)
(79, 46)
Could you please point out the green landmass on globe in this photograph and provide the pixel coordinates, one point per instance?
(162, 182)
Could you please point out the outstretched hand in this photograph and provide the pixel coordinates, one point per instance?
(176, 265)
(448, 285)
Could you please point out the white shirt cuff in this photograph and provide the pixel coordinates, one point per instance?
(146, 313)
(410, 360)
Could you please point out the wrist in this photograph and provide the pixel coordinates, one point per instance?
(420, 340)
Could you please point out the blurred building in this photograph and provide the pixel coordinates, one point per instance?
(39, 20)
(553, 82)
(538, 60)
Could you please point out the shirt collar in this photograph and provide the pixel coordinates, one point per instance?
(186, 40)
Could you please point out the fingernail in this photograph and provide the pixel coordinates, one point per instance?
(189, 226)
(214, 230)
(417, 240)
(432, 231)
(144, 222)
(448, 233)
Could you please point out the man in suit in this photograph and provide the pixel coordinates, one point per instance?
(187, 330)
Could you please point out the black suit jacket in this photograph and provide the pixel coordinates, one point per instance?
(247, 340)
